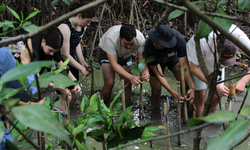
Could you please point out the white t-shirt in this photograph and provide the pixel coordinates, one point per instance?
(207, 53)
(111, 43)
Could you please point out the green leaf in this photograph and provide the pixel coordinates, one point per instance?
(79, 129)
(244, 4)
(50, 138)
(24, 144)
(2, 130)
(56, 103)
(92, 109)
(111, 136)
(231, 137)
(2, 9)
(225, 23)
(141, 66)
(46, 101)
(150, 59)
(126, 115)
(24, 70)
(222, 2)
(10, 103)
(10, 145)
(175, 14)
(81, 146)
(146, 135)
(96, 65)
(203, 30)
(93, 99)
(150, 129)
(31, 28)
(59, 80)
(14, 13)
(67, 1)
(245, 111)
(32, 15)
(133, 134)
(218, 117)
(55, 2)
(64, 64)
(134, 68)
(25, 132)
(115, 98)
(82, 104)
(30, 115)
(8, 92)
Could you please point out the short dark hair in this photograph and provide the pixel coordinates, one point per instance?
(89, 13)
(128, 32)
(53, 38)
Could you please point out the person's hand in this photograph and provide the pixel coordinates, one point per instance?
(135, 81)
(239, 86)
(222, 90)
(85, 65)
(174, 94)
(190, 94)
(76, 89)
(145, 76)
(64, 91)
(84, 71)
(17, 55)
(42, 101)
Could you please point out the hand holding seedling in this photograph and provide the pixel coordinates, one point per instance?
(135, 81)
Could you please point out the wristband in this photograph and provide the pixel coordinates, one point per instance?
(192, 88)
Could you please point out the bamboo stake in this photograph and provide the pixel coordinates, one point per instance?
(226, 107)
(142, 105)
(123, 96)
(66, 105)
(92, 80)
(184, 93)
(43, 140)
(178, 112)
(166, 124)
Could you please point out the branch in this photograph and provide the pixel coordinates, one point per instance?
(52, 23)
(207, 13)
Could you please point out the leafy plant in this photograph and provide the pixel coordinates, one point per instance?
(23, 22)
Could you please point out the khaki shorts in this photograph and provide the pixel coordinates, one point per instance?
(200, 85)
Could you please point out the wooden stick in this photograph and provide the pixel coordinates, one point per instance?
(142, 105)
(43, 140)
(178, 112)
(66, 105)
(92, 81)
(123, 96)
(226, 108)
(184, 93)
(166, 124)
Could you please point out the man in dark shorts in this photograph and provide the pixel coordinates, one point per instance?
(169, 48)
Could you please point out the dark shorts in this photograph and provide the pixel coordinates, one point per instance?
(170, 66)
(102, 56)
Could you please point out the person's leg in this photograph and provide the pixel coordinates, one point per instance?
(109, 77)
(200, 95)
(61, 105)
(155, 90)
(199, 102)
(128, 89)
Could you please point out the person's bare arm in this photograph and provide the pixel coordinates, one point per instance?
(164, 81)
(240, 85)
(65, 50)
(121, 71)
(188, 77)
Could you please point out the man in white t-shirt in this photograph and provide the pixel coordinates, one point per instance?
(115, 49)
(207, 49)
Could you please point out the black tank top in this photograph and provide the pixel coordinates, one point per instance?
(75, 38)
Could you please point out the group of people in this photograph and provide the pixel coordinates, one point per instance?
(115, 50)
